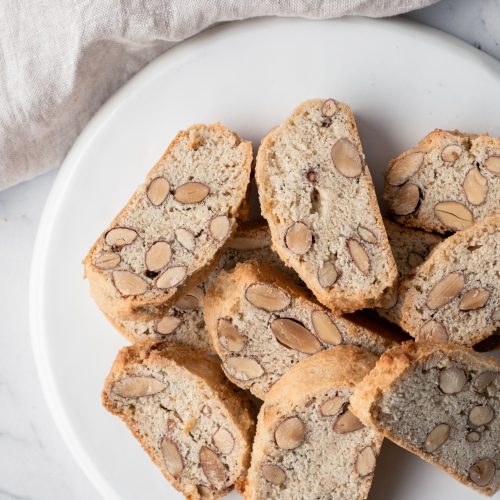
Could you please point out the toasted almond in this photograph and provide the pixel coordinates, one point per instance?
(119, 237)
(481, 415)
(107, 260)
(138, 387)
(445, 290)
(389, 298)
(190, 300)
(172, 277)
(223, 440)
(246, 243)
(433, 331)
(185, 238)
(219, 227)
(452, 380)
(274, 474)
(414, 259)
(242, 368)
(367, 235)
(290, 433)
(474, 299)
(204, 492)
(267, 297)
(454, 215)
(171, 458)
(451, 152)
(484, 380)
(473, 437)
(495, 315)
(129, 283)
(359, 256)
(214, 470)
(299, 238)
(436, 438)
(332, 406)
(347, 422)
(475, 187)
(482, 472)
(158, 256)
(327, 274)
(325, 328)
(346, 158)
(158, 190)
(328, 108)
(365, 461)
(191, 192)
(230, 338)
(492, 164)
(404, 168)
(294, 335)
(405, 200)
(167, 325)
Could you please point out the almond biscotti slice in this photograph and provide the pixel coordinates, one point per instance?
(446, 182)
(454, 295)
(185, 414)
(410, 248)
(308, 444)
(169, 234)
(317, 195)
(261, 324)
(442, 402)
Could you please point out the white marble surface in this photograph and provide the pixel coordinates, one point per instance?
(34, 462)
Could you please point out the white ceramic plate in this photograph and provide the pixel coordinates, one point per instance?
(401, 79)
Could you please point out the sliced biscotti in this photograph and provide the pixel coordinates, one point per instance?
(441, 402)
(410, 248)
(317, 194)
(454, 295)
(261, 324)
(308, 443)
(168, 235)
(446, 182)
(184, 413)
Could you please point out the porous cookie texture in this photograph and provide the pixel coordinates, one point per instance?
(261, 324)
(441, 402)
(446, 182)
(309, 444)
(317, 194)
(183, 321)
(185, 414)
(167, 237)
(410, 248)
(454, 295)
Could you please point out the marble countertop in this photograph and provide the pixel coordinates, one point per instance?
(34, 461)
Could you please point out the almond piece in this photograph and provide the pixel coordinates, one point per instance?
(230, 338)
(247, 243)
(451, 152)
(185, 238)
(327, 275)
(492, 164)
(482, 472)
(158, 256)
(267, 297)
(436, 438)
(294, 335)
(167, 325)
(495, 315)
(481, 415)
(332, 406)
(484, 380)
(347, 422)
(445, 290)
(214, 470)
(107, 260)
(171, 458)
(172, 277)
(433, 331)
(359, 256)
(298, 238)
(273, 474)
(365, 461)
(367, 235)
(191, 300)
(158, 190)
(191, 192)
(242, 368)
(404, 168)
(328, 108)
(414, 259)
(325, 328)
(473, 437)
(205, 492)
(119, 237)
(346, 159)
(138, 387)
(129, 283)
(389, 298)
(406, 199)
(475, 187)
(219, 227)
(223, 440)
(454, 215)
(452, 380)
(474, 299)
(290, 433)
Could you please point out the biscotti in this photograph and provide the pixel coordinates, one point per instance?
(441, 402)
(454, 295)
(446, 182)
(410, 248)
(185, 414)
(261, 324)
(169, 234)
(308, 444)
(317, 195)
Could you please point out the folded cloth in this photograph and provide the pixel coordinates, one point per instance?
(60, 60)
